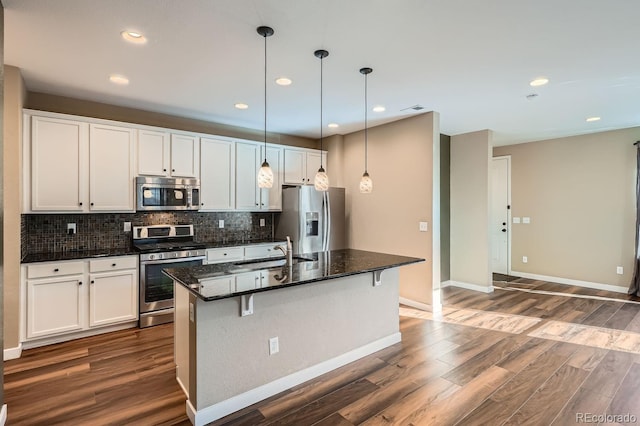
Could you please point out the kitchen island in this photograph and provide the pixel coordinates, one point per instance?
(246, 331)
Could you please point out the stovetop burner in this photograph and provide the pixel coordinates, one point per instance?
(165, 238)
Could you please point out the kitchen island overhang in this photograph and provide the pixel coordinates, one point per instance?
(324, 314)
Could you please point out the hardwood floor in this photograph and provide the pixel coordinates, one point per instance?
(462, 368)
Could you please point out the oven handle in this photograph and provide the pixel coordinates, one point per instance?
(174, 260)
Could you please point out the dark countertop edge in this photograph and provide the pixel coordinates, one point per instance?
(98, 253)
(295, 284)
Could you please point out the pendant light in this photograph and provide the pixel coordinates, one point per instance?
(366, 184)
(321, 181)
(265, 174)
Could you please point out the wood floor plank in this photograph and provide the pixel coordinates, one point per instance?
(625, 401)
(503, 403)
(327, 405)
(621, 319)
(602, 314)
(545, 404)
(584, 401)
(609, 373)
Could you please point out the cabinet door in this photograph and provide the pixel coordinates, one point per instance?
(153, 153)
(313, 164)
(247, 281)
(294, 167)
(247, 194)
(185, 156)
(111, 165)
(271, 198)
(58, 164)
(54, 306)
(217, 175)
(113, 298)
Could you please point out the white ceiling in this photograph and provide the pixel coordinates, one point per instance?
(469, 60)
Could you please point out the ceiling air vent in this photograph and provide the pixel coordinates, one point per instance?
(415, 108)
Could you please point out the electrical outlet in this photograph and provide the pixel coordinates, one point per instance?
(620, 270)
(274, 346)
(127, 227)
(221, 223)
(262, 222)
(423, 226)
(71, 228)
(525, 259)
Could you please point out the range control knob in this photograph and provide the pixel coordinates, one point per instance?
(152, 256)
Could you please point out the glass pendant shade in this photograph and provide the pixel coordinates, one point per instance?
(366, 184)
(265, 176)
(321, 181)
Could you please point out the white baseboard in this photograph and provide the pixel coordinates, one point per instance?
(468, 286)
(416, 304)
(30, 344)
(3, 415)
(213, 412)
(578, 283)
(12, 353)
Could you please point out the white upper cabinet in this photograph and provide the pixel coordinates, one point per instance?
(185, 156)
(59, 151)
(154, 152)
(217, 175)
(167, 154)
(111, 168)
(249, 158)
(301, 165)
(247, 191)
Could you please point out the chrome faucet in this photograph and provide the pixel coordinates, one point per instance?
(287, 252)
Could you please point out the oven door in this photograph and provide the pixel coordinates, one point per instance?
(156, 289)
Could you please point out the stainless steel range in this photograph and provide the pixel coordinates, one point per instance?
(162, 246)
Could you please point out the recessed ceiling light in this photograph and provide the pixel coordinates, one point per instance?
(241, 106)
(283, 81)
(540, 81)
(379, 108)
(119, 79)
(333, 125)
(133, 37)
(590, 119)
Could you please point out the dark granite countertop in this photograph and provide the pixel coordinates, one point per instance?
(320, 267)
(76, 254)
(104, 252)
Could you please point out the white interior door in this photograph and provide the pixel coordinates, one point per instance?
(501, 200)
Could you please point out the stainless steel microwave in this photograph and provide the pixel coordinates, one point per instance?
(158, 194)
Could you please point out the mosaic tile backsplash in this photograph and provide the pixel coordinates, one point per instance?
(43, 233)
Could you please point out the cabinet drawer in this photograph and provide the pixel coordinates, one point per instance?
(225, 255)
(113, 264)
(55, 269)
(266, 250)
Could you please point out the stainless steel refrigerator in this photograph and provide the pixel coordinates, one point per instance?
(315, 220)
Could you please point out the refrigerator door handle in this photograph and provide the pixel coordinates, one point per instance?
(327, 222)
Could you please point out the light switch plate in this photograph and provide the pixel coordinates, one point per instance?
(221, 223)
(516, 220)
(526, 220)
(262, 222)
(424, 226)
(127, 227)
(274, 345)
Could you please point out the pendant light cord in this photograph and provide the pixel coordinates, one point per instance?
(265, 98)
(365, 124)
(321, 125)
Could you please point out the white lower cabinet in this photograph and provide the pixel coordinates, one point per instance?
(113, 297)
(66, 297)
(253, 251)
(54, 305)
